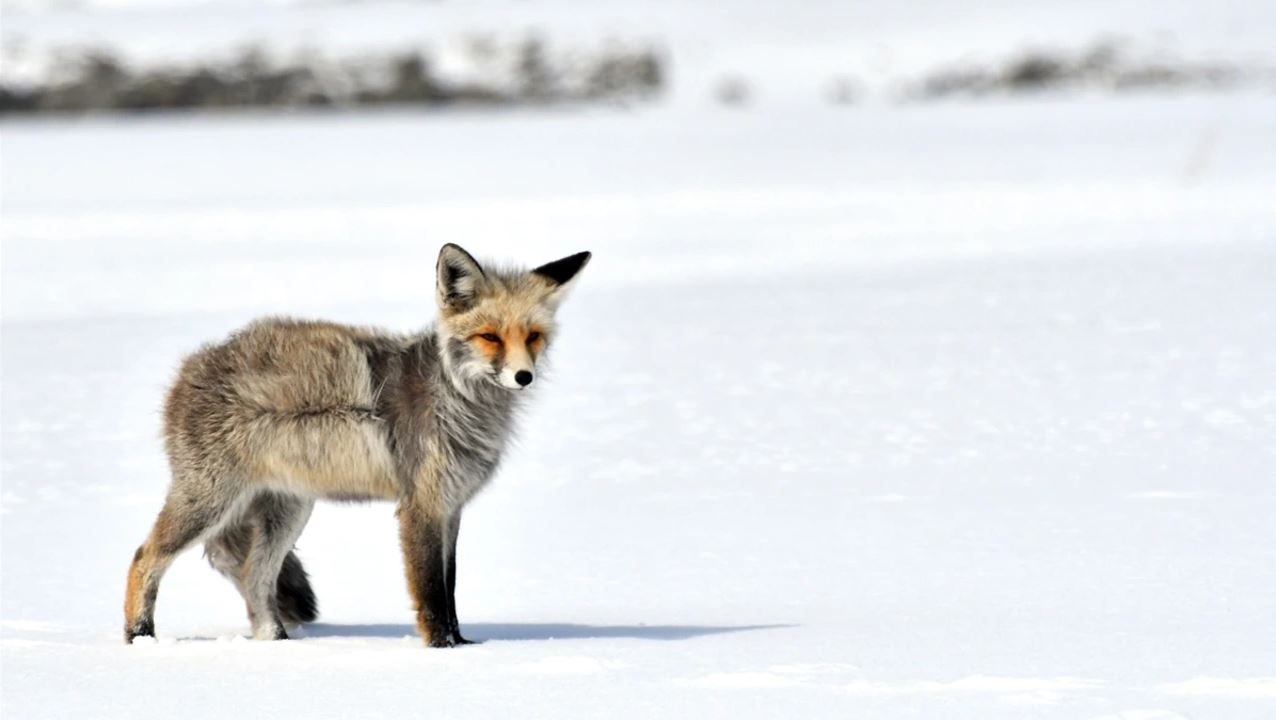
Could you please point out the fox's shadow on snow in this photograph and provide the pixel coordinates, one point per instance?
(537, 631)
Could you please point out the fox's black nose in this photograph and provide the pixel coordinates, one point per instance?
(523, 377)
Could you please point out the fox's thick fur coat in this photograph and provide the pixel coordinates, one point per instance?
(285, 412)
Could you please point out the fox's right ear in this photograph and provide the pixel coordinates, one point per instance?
(560, 274)
(460, 279)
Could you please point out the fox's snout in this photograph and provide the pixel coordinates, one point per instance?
(516, 378)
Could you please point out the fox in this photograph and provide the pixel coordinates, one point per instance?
(286, 412)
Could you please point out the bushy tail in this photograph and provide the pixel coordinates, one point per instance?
(297, 603)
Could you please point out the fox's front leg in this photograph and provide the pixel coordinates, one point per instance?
(424, 538)
(454, 529)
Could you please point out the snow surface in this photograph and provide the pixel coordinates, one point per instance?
(958, 410)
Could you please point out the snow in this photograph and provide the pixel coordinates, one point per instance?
(958, 410)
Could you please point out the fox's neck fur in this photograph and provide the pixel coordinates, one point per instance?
(435, 414)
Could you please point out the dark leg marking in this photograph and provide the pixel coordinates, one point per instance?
(454, 530)
(423, 537)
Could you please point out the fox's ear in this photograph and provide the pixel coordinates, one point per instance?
(562, 273)
(460, 279)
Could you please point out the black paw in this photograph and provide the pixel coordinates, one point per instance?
(141, 628)
(450, 639)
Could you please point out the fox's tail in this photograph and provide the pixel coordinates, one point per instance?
(297, 603)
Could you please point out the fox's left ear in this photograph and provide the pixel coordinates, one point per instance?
(460, 279)
(561, 274)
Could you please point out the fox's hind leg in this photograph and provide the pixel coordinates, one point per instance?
(227, 550)
(227, 553)
(194, 508)
(276, 520)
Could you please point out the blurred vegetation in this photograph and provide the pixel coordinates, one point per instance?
(1103, 66)
(487, 70)
(521, 72)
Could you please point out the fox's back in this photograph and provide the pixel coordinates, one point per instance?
(280, 365)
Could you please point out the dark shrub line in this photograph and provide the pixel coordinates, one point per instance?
(98, 81)
(1104, 66)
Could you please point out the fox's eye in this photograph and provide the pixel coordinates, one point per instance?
(533, 337)
(490, 337)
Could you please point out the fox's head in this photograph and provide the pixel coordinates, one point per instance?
(494, 323)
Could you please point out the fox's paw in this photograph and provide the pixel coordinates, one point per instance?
(449, 639)
(141, 628)
(270, 631)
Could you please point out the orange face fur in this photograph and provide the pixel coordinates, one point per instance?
(494, 324)
(502, 330)
(492, 340)
(500, 340)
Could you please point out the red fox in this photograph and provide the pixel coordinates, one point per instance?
(285, 412)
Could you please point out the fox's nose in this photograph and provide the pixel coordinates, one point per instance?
(523, 377)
